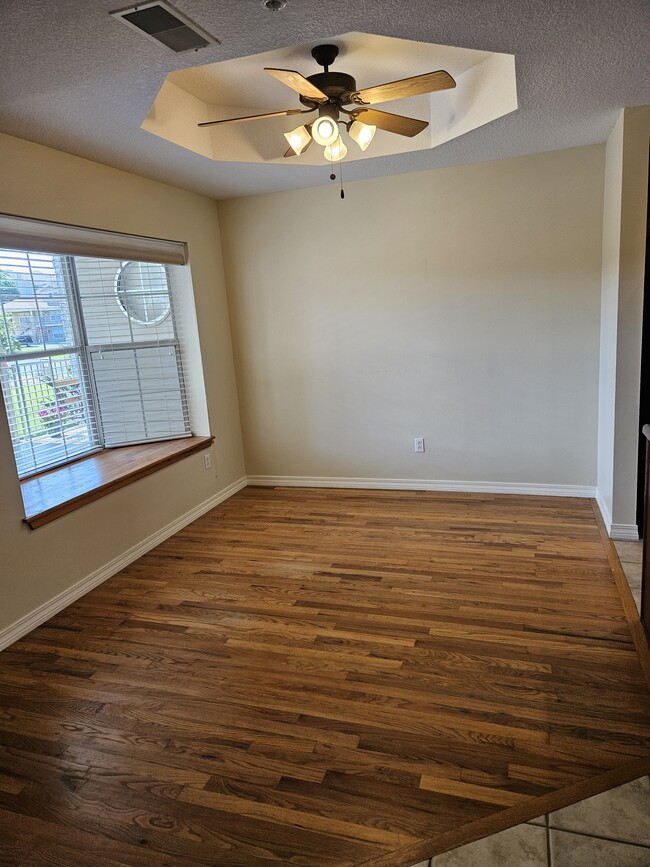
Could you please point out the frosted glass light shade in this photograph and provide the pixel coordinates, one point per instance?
(336, 151)
(325, 130)
(298, 139)
(362, 133)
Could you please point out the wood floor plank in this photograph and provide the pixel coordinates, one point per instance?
(328, 678)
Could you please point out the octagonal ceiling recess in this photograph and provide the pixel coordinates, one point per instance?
(486, 90)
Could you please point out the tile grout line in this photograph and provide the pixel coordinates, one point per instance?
(599, 837)
(548, 829)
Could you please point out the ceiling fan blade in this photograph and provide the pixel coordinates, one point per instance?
(414, 86)
(254, 117)
(396, 123)
(297, 82)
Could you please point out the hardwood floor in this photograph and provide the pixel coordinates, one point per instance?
(318, 677)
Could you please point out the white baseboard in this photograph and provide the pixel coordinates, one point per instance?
(624, 532)
(604, 511)
(67, 597)
(539, 490)
(618, 532)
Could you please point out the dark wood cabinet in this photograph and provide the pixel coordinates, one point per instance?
(645, 572)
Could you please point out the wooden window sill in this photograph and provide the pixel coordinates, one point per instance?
(57, 492)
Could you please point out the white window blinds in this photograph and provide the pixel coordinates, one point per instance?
(133, 350)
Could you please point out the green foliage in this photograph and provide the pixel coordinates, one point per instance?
(8, 289)
(8, 292)
(8, 342)
(34, 394)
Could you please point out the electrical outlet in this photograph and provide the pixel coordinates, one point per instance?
(207, 461)
(419, 444)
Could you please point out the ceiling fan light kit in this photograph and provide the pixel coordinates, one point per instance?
(299, 138)
(362, 133)
(336, 151)
(325, 129)
(329, 92)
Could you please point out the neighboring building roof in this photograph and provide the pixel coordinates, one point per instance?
(24, 304)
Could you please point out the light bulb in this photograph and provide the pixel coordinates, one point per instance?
(336, 151)
(362, 133)
(298, 139)
(324, 130)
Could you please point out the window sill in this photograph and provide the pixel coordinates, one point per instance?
(55, 493)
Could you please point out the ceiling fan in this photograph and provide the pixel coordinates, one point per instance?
(329, 92)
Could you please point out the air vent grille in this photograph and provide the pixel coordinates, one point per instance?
(167, 26)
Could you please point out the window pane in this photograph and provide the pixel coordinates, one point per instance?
(34, 300)
(48, 409)
(124, 302)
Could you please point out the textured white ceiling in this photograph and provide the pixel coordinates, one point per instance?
(76, 79)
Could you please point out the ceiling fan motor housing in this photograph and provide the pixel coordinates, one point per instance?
(337, 86)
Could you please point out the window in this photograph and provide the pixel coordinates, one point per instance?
(89, 355)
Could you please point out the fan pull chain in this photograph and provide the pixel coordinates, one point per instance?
(333, 177)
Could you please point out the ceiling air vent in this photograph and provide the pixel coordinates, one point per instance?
(164, 24)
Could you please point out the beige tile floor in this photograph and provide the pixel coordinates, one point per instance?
(609, 830)
(630, 555)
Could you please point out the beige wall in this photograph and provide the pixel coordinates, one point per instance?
(624, 239)
(634, 202)
(609, 317)
(46, 184)
(460, 304)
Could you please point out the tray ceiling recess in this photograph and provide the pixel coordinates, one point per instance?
(485, 90)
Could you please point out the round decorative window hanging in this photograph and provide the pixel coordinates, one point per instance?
(142, 292)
